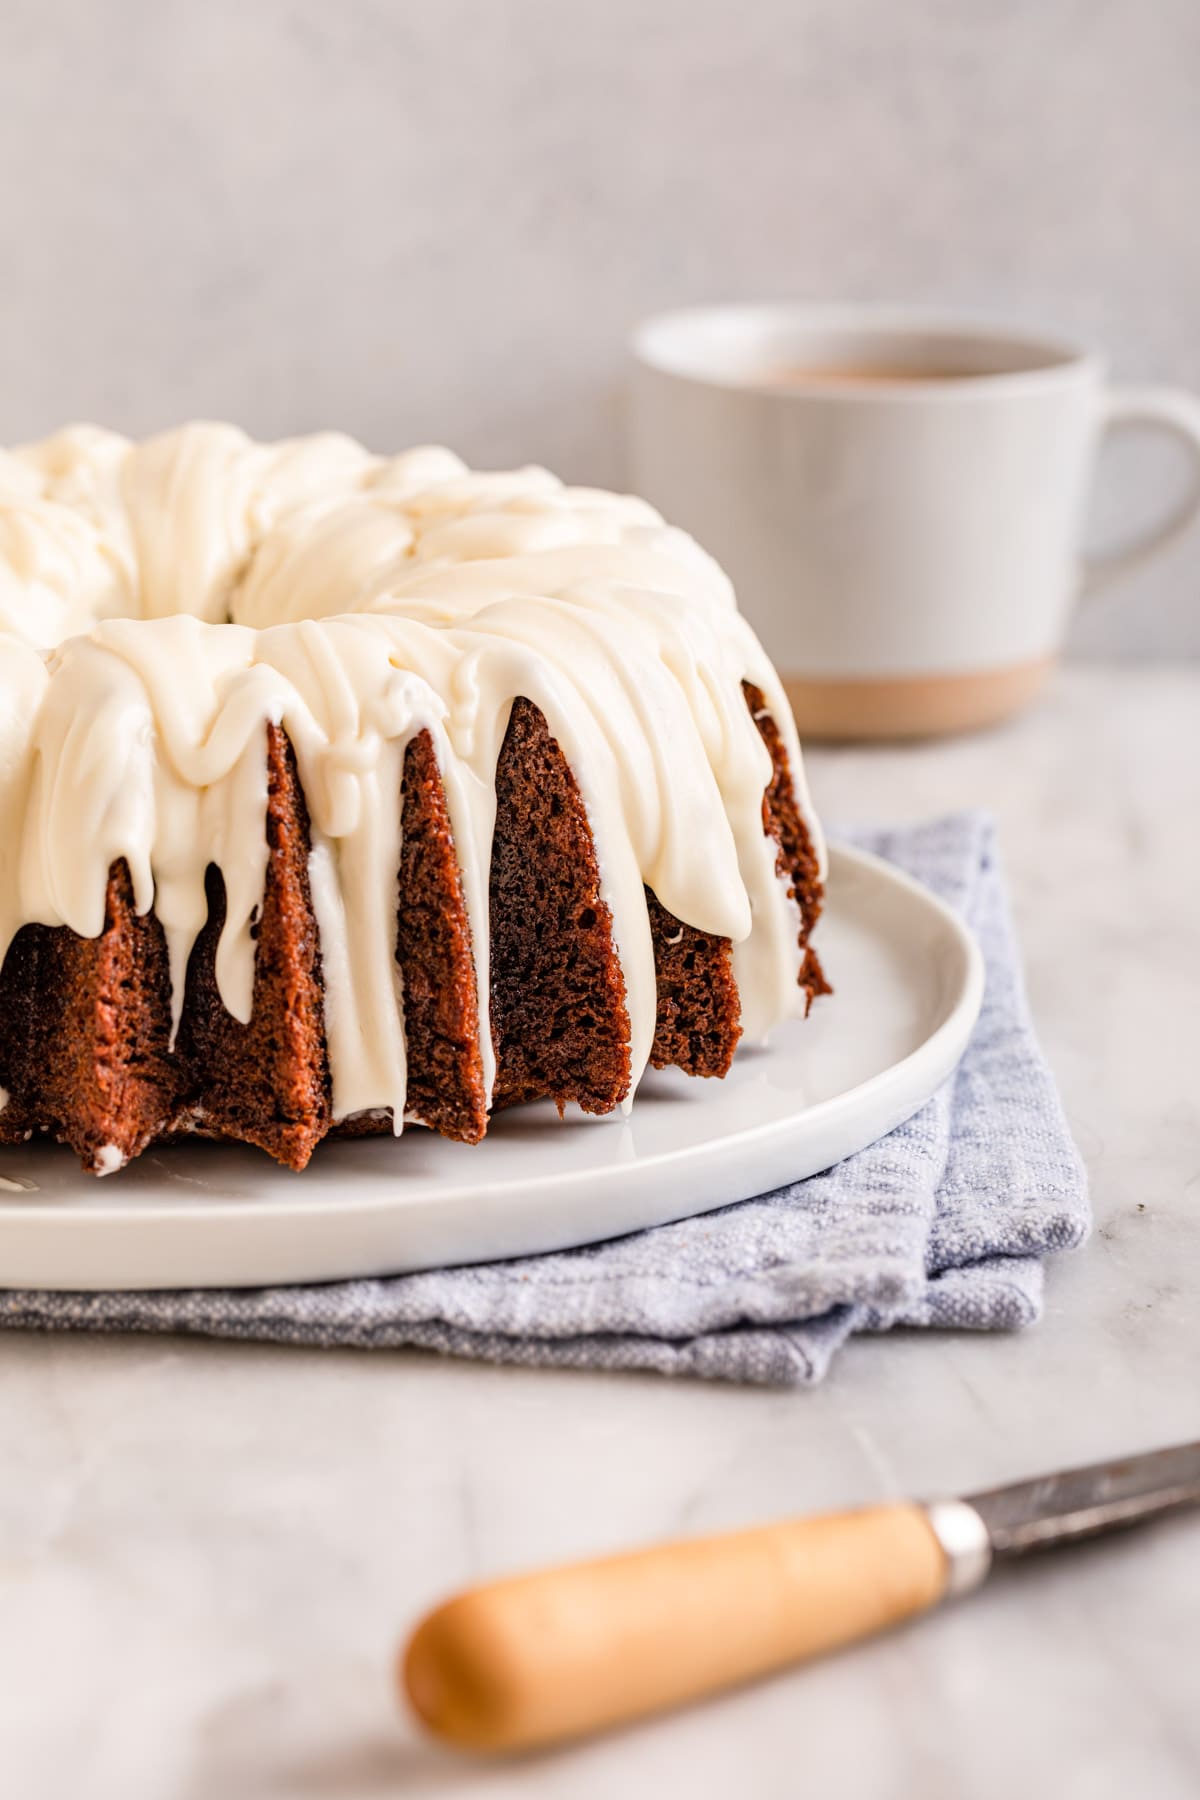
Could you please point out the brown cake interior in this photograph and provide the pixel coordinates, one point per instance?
(92, 1065)
(797, 857)
(559, 1020)
(267, 1082)
(446, 1087)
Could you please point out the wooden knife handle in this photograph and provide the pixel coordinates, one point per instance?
(566, 1651)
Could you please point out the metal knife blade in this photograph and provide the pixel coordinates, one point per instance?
(1083, 1503)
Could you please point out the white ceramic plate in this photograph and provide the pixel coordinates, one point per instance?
(909, 981)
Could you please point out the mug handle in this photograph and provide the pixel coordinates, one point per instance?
(1168, 409)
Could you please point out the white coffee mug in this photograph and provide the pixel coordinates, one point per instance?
(899, 498)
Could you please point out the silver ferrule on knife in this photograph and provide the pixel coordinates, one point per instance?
(961, 1532)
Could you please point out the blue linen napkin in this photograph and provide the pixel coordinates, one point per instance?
(944, 1222)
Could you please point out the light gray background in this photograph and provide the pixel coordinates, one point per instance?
(440, 220)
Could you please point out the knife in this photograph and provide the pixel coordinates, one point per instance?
(542, 1657)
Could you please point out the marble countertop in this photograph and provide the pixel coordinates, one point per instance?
(208, 1552)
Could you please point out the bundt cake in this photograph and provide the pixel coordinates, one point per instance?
(340, 791)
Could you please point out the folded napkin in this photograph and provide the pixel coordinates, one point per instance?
(942, 1223)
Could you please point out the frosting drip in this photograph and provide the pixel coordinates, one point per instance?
(161, 603)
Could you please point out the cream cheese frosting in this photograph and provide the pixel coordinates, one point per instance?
(161, 603)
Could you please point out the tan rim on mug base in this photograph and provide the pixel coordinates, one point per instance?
(911, 706)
